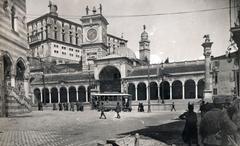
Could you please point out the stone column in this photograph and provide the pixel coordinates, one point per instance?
(136, 93)
(41, 95)
(59, 95)
(183, 92)
(207, 93)
(77, 93)
(196, 91)
(86, 94)
(170, 92)
(67, 94)
(26, 87)
(13, 80)
(147, 91)
(50, 96)
(159, 95)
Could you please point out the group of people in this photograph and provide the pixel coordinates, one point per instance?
(219, 124)
(69, 106)
(102, 110)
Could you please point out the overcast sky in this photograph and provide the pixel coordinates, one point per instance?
(178, 37)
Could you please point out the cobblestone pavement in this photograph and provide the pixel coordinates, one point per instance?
(65, 128)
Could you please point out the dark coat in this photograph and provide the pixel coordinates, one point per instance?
(190, 132)
(216, 125)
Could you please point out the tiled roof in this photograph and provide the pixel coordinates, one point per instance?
(167, 70)
(66, 77)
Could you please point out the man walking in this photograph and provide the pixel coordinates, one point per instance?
(118, 110)
(102, 111)
(173, 107)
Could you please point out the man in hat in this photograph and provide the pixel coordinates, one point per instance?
(216, 125)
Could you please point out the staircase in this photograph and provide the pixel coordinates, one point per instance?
(17, 103)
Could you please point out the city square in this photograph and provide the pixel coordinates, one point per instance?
(124, 73)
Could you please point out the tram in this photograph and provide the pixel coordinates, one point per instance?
(110, 101)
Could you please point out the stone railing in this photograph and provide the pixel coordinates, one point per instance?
(21, 99)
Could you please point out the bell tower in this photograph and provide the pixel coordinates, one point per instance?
(144, 46)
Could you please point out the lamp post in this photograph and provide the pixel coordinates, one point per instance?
(148, 89)
(43, 80)
(162, 97)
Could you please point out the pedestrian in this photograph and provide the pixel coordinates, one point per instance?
(54, 106)
(173, 107)
(72, 106)
(102, 108)
(118, 110)
(216, 125)
(78, 105)
(190, 132)
(39, 105)
(60, 106)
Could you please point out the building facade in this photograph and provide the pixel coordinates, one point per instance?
(14, 65)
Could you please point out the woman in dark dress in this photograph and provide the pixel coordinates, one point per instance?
(190, 132)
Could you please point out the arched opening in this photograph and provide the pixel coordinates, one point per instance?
(141, 91)
(63, 94)
(189, 89)
(20, 70)
(82, 94)
(153, 91)
(54, 95)
(37, 95)
(177, 90)
(165, 90)
(200, 89)
(72, 94)
(131, 90)
(7, 69)
(45, 95)
(110, 79)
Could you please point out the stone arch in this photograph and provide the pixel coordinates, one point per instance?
(8, 68)
(153, 91)
(200, 89)
(37, 94)
(165, 90)
(20, 69)
(177, 90)
(63, 94)
(132, 90)
(141, 92)
(82, 94)
(72, 94)
(110, 79)
(189, 89)
(45, 95)
(54, 95)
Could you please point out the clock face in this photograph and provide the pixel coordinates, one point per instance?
(92, 34)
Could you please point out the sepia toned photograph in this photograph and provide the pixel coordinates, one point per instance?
(119, 73)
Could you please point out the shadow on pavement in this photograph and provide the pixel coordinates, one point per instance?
(169, 133)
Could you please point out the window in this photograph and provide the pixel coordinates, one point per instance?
(64, 53)
(70, 49)
(56, 51)
(56, 46)
(13, 13)
(64, 48)
(214, 91)
(71, 54)
(77, 56)
(216, 77)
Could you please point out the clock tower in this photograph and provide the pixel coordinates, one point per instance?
(94, 35)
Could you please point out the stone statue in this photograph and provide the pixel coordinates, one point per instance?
(207, 38)
(87, 10)
(100, 8)
(94, 10)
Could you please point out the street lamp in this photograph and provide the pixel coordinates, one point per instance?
(148, 88)
(162, 97)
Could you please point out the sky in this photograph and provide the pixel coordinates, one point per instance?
(177, 36)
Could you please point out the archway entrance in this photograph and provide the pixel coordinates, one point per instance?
(20, 70)
(7, 69)
(37, 95)
(165, 90)
(141, 91)
(177, 90)
(189, 89)
(153, 91)
(54, 95)
(200, 89)
(82, 94)
(63, 94)
(110, 79)
(131, 90)
(72, 94)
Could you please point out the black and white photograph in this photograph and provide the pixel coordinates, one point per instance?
(119, 73)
